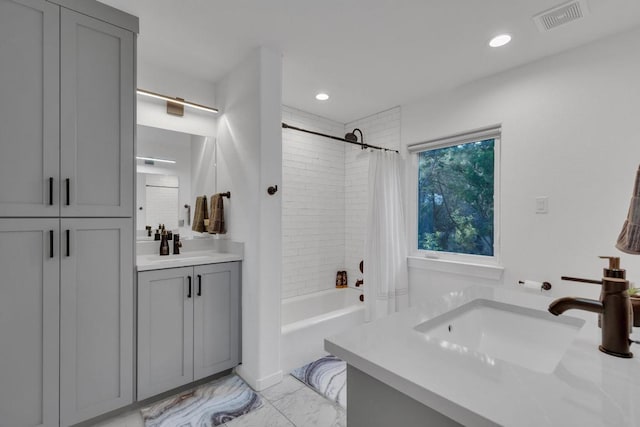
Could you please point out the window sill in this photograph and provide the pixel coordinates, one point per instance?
(491, 272)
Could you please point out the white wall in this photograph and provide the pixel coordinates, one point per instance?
(313, 204)
(570, 132)
(383, 130)
(249, 160)
(153, 112)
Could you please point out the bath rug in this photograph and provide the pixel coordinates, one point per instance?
(209, 405)
(327, 376)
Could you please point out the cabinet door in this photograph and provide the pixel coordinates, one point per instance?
(29, 292)
(96, 320)
(97, 117)
(29, 111)
(165, 330)
(216, 318)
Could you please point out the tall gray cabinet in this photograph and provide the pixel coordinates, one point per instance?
(67, 85)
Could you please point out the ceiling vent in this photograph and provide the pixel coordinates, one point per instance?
(560, 15)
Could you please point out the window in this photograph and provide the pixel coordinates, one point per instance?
(457, 188)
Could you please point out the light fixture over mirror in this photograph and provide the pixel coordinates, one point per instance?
(173, 102)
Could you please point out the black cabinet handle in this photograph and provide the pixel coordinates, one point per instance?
(68, 235)
(50, 191)
(199, 285)
(67, 183)
(50, 243)
(189, 290)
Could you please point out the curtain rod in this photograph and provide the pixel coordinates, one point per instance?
(363, 145)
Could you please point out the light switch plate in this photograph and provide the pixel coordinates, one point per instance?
(542, 205)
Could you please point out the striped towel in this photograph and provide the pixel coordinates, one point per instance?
(629, 239)
(200, 214)
(216, 223)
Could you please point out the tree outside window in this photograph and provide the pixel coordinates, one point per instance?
(456, 198)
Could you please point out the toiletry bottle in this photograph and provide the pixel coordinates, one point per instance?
(614, 271)
(164, 244)
(177, 244)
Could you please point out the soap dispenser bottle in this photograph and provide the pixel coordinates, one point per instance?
(614, 271)
(177, 244)
(164, 244)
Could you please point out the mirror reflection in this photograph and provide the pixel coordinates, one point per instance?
(172, 169)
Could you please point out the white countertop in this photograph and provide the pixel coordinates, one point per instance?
(148, 262)
(587, 388)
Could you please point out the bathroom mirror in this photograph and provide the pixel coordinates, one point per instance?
(172, 168)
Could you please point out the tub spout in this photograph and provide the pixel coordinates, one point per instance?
(561, 305)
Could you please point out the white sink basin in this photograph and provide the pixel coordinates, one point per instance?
(533, 339)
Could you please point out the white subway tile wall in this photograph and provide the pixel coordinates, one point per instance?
(324, 198)
(313, 204)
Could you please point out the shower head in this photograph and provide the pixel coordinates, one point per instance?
(352, 137)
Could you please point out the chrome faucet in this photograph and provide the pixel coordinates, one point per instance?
(614, 308)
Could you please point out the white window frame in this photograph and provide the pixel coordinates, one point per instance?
(491, 132)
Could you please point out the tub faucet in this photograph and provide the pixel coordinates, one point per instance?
(614, 308)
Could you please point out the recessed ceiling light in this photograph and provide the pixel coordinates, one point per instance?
(500, 40)
(322, 96)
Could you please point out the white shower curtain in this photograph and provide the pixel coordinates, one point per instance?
(385, 254)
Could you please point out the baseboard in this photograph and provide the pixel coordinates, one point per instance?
(259, 384)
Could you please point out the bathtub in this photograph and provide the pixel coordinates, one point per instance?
(308, 319)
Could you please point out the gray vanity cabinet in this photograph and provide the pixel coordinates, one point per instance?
(188, 325)
(165, 330)
(216, 318)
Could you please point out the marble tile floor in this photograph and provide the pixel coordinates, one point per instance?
(288, 404)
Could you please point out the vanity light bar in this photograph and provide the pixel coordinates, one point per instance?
(152, 159)
(177, 101)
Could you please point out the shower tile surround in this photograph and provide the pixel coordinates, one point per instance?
(324, 198)
(313, 204)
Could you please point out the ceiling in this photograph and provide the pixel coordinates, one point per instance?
(369, 55)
